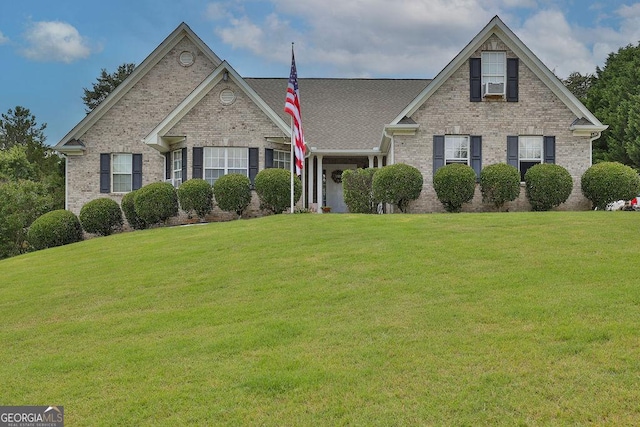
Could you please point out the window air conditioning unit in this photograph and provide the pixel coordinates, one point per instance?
(493, 89)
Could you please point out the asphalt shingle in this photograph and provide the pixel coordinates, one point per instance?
(342, 113)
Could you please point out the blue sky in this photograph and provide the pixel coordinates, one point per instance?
(51, 50)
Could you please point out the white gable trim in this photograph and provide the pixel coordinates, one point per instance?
(138, 73)
(157, 138)
(497, 27)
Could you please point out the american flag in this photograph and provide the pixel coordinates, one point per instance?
(292, 107)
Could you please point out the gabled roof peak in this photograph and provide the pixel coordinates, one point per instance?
(181, 31)
(524, 54)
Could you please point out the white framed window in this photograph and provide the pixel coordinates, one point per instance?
(220, 161)
(456, 149)
(281, 159)
(530, 153)
(494, 71)
(176, 161)
(121, 170)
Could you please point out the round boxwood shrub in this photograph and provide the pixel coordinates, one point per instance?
(196, 195)
(55, 228)
(547, 186)
(101, 216)
(398, 184)
(129, 210)
(156, 202)
(608, 182)
(455, 185)
(274, 189)
(357, 189)
(499, 184)
(233, 193)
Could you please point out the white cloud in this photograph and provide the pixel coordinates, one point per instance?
(416, 38)
(217, 11)
(380, 37)
(3, 39)
(55, 41)
(553, 40)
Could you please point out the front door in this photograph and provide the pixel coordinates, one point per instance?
(335, 198)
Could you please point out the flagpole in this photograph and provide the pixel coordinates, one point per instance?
(291, 167)
(293, 156)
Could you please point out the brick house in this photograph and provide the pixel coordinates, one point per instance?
(185, 113)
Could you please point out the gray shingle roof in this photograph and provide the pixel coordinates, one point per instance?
(342, 113)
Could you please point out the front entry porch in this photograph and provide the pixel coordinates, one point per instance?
(324, 176)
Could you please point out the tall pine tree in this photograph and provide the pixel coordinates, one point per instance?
(613, 98)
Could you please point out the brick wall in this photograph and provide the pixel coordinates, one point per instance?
(449, 111)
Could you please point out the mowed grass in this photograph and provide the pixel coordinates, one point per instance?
(444, 319)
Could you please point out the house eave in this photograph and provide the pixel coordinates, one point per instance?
(401, 129)
(71, 151)
(587, 130)
(345, 153)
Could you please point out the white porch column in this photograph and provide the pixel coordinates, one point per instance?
(310, 199)
(319, 183)
(370, 161)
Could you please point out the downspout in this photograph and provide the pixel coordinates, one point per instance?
(391, 160)
(66, 182)
(594, 136)
(392, 155)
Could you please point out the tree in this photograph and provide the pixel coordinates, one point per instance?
(579, 84)
(613, 99)
(19, 128)
(105, 85)
(21, 202)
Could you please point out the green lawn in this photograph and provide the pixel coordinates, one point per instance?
(442, 319)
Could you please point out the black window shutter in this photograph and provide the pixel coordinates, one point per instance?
(475, 79)
(184, 164)
(253, 164)
(476, 154)
(168, 165)
(136, 172)
(512, 151)
(105, 172)
(438, 152)
(512, 79)
(549, 149)
(197, 162)
(268, 158)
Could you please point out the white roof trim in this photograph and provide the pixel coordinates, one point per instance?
(496, 26)
(155, 137)
(138, 73)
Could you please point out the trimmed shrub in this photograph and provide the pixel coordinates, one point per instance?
(156, 202)
(196, 195)
(274, 189)
(101, 216)
(357, 189)
(129, 210)
(608, 182)
(455, 185)
(499, 184)
(232, 193)
(55, 228)
(398, 184)
(547, 186)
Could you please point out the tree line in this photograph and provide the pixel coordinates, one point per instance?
(31, 173)
(612, 94)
